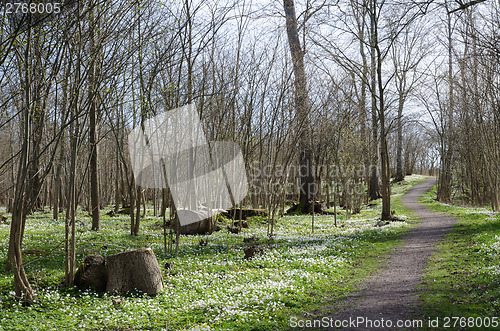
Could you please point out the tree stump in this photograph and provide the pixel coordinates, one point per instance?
(205, 226)
(135, 269)
(251, 251)
(92, 274)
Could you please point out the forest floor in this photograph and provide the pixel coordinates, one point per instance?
(210, 287)
(213, 287)
(427, 282)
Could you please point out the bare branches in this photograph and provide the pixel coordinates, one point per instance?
(463, 6)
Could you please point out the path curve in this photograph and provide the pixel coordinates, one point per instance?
(391, 293)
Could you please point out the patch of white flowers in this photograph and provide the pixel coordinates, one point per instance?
(489, 247)
(214, 281)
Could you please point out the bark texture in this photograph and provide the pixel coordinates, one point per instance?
(134, 270)
(205, 226)
(307, 182)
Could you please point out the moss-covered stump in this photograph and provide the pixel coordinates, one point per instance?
(92, 274)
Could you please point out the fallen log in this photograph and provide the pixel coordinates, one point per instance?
(297, 209)
(245, 213)
(205, 226)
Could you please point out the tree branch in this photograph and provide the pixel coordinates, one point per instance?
(465, 5)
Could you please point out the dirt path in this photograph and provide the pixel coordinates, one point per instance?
(391, 293)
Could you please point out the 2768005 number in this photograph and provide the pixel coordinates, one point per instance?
(33, 8)
(470, 322)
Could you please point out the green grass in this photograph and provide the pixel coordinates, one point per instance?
(463, 277)
(399, 189)
(211, 287)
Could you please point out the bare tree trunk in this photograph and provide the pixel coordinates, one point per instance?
(94, 183)
(70, 239)
(144, 201)
(374, 187)
(132, 205)
(93, 100)
(137, 222)
(117, 183)
(70, 242)
(163, 208)
(399, 152)
(58, 173)
(307, 183)
(335, 195)
(444, 184)
(38, 114)
(362, 109)
(384, 155)
(57, 188)
(23, 288)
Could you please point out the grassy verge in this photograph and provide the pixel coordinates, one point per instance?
(463, 277)
(209, 287)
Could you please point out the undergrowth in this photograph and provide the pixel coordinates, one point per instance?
(209, 287)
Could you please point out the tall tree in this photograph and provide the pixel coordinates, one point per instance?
(444, 182)
(38, 54)
(93, 96)
(407, 53)
(381, 110)
(446, 152)
(302, 107)
(21, 202)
